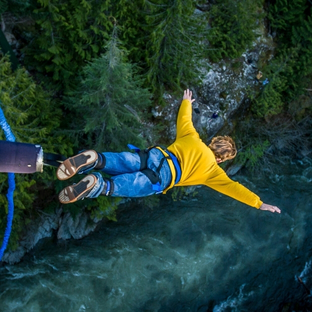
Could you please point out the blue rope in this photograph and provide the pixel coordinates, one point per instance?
(9, 137)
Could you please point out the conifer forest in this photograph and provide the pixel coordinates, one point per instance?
(87, 74)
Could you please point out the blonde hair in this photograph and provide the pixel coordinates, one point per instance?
(223, 147)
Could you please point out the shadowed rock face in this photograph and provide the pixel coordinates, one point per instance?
(223, 91)
(64, 225)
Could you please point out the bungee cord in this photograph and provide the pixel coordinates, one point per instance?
(11, 178)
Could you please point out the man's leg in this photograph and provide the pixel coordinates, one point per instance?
(127, 180)
(111, 163)
(119, 163)
(135, 184)
(93, 185)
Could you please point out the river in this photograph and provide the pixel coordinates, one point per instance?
(205, 252)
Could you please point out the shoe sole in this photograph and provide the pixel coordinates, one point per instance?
(72, 193)
(71, 165)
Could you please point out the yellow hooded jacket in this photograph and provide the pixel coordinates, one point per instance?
(198, 163)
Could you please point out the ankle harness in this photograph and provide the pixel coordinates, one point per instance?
(108, 188)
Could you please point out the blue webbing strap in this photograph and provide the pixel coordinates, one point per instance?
(9, 137)
(134, 148)
(176, 166)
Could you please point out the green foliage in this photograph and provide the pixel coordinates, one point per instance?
(29, 110)
(251, 155)
(163, 37)
(149, 201)
(293, 22)
(270, 100)
(263, 144)
(3, 6)
(16, 7)
(173, 43)
(68, 33)
(130, 18)
(288, 72)
(284, 14)
(110, 99)
(33, 118)
(178, 193)
(233, 25)
(104, 207)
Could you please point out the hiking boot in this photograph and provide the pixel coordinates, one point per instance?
(72, 193)
(76, 164)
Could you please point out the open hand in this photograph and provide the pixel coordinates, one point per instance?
(270, 208)
(188, 95)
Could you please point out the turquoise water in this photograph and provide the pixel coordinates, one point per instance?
(203, 253)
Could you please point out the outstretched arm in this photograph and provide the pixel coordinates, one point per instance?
(270, 208)
(220, 182)
(184, 121)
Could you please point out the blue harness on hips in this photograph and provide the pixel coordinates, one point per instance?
(153, 176)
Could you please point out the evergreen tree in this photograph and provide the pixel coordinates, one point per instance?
(3, 6)
(130, 17)
(174, 43)
(110, 99)
(17, 7)
(288, 72)
(233, 24)
(68, 34)
(292, 20)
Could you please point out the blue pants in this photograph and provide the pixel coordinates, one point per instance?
(128, 180)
